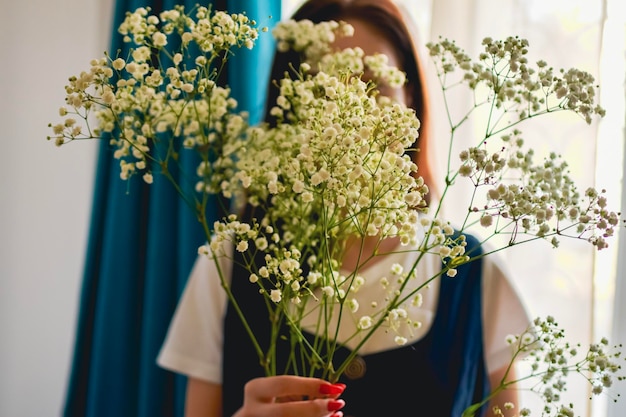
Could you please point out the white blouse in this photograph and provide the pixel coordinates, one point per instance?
(193, 345)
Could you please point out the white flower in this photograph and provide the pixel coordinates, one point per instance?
(118, 64)
(276, 296)
(365, 323)
(264, 272)
(400, 341)
(307, 197)
(147, 177)
(159, 39)
(486, 221)
(313, 277)
(298, 187)
(242, 246)
(204, 250)
(353, 305)
(357, 283)
(396, 269)
(328, 291)
(417, 300)
(261, 243)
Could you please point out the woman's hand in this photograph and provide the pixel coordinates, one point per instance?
(291, 396)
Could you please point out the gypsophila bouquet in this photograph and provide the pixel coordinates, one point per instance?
(335, 171)
(552, 358)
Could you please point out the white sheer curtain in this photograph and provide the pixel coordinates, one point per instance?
(573, 283)
(612, 265)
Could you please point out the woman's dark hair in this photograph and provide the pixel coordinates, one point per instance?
(389, 19)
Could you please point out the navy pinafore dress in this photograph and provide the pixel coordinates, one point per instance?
(438, 376)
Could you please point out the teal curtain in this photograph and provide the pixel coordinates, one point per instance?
(143, 241)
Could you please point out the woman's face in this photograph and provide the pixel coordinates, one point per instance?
(372, 40)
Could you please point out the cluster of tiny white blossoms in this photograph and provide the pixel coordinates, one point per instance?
(552, 359)
(524, 198)
(339, 158)
(336, 165)
(397, 319)
(313, 41)
(394, 319)
(440, 237)
(536, 199)
(280, 276)
(514, 84)
(153, 95)
(505, 411)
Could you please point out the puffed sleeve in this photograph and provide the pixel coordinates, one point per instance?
(504, 313)
(193, 344)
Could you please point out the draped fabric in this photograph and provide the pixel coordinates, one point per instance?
(142, 243)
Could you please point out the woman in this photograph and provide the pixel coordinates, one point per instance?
(449, 364)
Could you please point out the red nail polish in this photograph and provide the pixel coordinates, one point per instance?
(340, 385)
(332, 389)
(337, 414)
(334, 405)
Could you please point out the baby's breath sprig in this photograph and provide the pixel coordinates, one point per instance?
(513, 85)
(523, 199)
(530, 199)
(312, 40)
(552, 360)
(164, 89)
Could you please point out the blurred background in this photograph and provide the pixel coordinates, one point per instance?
(46, 193)
(45, 197)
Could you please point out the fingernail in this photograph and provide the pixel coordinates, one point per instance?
(334, 405)
(332, 389)
(337, 414)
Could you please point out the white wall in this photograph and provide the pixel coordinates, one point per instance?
(45, 196)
